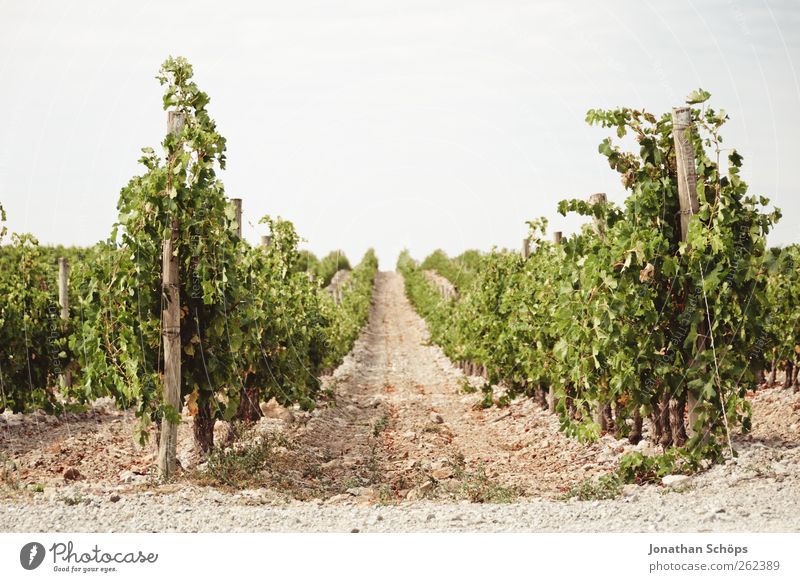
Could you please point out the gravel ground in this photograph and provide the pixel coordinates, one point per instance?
(758, 492)
(732, 498)
(400, 448)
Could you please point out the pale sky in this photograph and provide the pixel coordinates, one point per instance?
(418, 124)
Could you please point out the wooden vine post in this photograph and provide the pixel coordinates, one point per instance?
(602, 413)
(63, 300)
(266, 240)
(599, 223)
(687, 172)
(526, 248)
(237, 206)
(171, 333)
(551, 391)
(687, 196)
(248, 398)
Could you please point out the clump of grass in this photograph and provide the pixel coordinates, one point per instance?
(328, 392)
(351, 483)
(466, 387)
(380, 425)
(242, 466)
(373, 465)
(75, 499)
(386, 496)
(8, 474)
(479, 488)
(608, 486)
(640, 469)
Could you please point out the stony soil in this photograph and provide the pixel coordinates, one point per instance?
(400, 446)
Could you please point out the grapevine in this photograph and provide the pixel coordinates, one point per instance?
(625, 320)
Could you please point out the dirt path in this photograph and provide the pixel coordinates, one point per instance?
(402, 426)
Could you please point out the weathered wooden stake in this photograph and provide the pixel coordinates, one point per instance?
(266, 240)
(248, 398)
(687, 196)
(687, 172)
(237, 205)
(171, 333)
(551, 391)
(526, 248)
(63, 294)
(599, 223)
(600, 407)
(63, 300)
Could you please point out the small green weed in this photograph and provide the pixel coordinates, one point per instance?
(608, 486)
(240, 467)
(638, 468)
(74, 499)
(8, 472)
(380, 425)
(479, 488)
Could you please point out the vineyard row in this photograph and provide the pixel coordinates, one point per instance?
(669, 307)
(175, 309)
